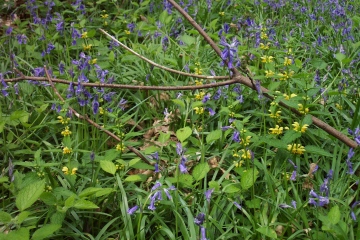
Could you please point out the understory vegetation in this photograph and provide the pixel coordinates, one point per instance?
(119, 120)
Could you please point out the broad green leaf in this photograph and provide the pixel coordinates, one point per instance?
(254, 203)
(274, 142)
(45, 231)
(89, 191)
(141, 165)
(334, 215)
(183, 133)
(215, 185)
(21, 233)
(164, 137)
(317, 150)
(58, 217)
(69, 202)
(186, 179)
(4, 179)
(136, 178)
(248, 178)
(84, 204)
(200, 171)
(318, 63)
(20, 115)
(5, 217)
(41, 108)
(163, 16)
(108, 167)
(29, 194)
(180, 103)
(267, 231)
(48, 198)
(134, 161)
(188, 40)
(111, 154)
(232, 188)
(214, 135)
(111, 56)
(22, 217)
(290, 136)
(340, 57)
(104, 191)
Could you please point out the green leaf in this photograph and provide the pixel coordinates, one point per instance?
(29, 194)
(183, 133)
(163, 16)
(58, 217)
(136, 178)
(142, 165)
(22, 216)
(20, 115)
(340, 57)
(4, 179)
(232, 188)
(84, 204)
(248, 178)
(215, 185)
(200, 171)
(164, 137)
(254, 203)
(89, 191)
(48, 198)
(188, 40)
(290, 136)
(5, 217)
(45, 231)
(111, 56)
(274, 142)
(135, 160)
(108, 167)
(318, 63)
(317, 150)
(334, 215)
(21, 233)
(267, 231)
(41, 108)
(69, 202)
(180, 103)
(214, 135)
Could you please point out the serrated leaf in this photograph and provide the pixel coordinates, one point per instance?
(307, 120)
(5, 217)
(200, 171)
(20, 115)
(108, 167)
(248, 178)
(45, 231)
(84, 204)
(22, 216)
(134, 161)
(267, 231)
(186, 179)
(183, 133)
(214, 135)
(48, 198)
(58, 217)
(29, 194)
(290, 136)
(136, 178)
(317, 150)
(334, 215)
(21, 233)
(111, 154)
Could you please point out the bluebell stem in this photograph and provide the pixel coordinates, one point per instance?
(199, 219)
(230, 51)
(208, 194)
(132, 210)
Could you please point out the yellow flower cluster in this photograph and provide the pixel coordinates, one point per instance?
(245, 141)
(287, 61)
(302, 109)
(120, 147)
(199, 110)
(200, 95)
(287, 97)
(286, 75)
(66, 171)
(67, 150)
(66, 132)
(267, 59)
(269, 73)
(198, 71)
(264, 47)
(277, 130)
(63, 120)
(87, 47)
(244, 154)
(296, 148)
(299, 128)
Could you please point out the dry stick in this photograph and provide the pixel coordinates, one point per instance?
(247, 82)
(160, 66)
(90, 121)
(122, 86)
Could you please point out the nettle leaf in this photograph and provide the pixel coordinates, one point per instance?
(188, 40)
(214, 135)
(45, 231)
(136, 178)
(5, 217)
(290, 136)
(267, 231)
(21, 233)
(232, 188)
(29, 194)
(200, 171)
(248, 178)
(183, 133)
(84, 204)
(317, 150)
(334, 215)
(108, 167)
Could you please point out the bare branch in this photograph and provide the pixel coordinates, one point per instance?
(160, 66)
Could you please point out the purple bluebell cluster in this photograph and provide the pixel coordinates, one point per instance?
(293, 174)
(230, 52)
(199, 220)
(181, 151)
(322, 199)
(156, 194)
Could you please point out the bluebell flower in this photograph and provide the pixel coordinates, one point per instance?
(113, 44)
(165, 42)
(211, 111)
(166, 190)
(92, 156)
(199, 219)
(156, 186)
(203, 233)
(208, 194)
(179, 149)
(217, 94)
(321, 201)
(182, 165)
(206, 98)
(9, 31)
(236, 136)
(167, 6)
(237, 205)
(122, 104)
(95, 105)
(132, 210)
(21, 38)
(131, 26)
(230, 51)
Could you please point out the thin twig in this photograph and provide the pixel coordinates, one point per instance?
(73, 111)
(249, 83)
(160, 66)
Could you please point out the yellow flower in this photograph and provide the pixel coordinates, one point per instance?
(267, 59)
(264, 47)
(263, 35)
(269, 73)
(197, 63)
(287, 97)
(73, 171)
(302, 109)
(63, 120)
(198, 71)
(65, 170)
(287, 61)
(199, 110)
(246, 141)
(286, 75)
(127, 32)
(120, 147)
(198, 83)
(93, 61)
(239, 163)
(200, 95)
(338, 106)
(104, 16)
(101, 110)
(66, 132)
(277, 130)
(276, 114)
(296, 148)
(299, 128)
(290, 52)
(84, 35)
(246, 154)
(87, 47)
(67, 150)
(221, 13)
